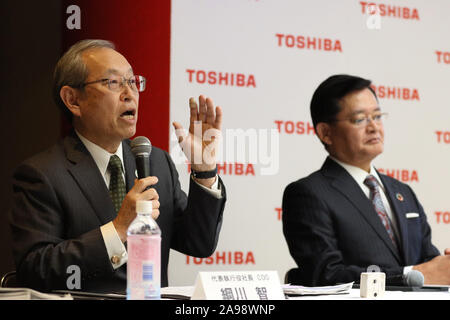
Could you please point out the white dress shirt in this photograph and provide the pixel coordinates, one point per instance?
(359, 175)
(116, 250)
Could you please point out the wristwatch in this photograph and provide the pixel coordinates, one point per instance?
(204, 174)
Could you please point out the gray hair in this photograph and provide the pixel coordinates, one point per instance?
(72, 71)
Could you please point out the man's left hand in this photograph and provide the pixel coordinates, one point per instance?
(201, 143)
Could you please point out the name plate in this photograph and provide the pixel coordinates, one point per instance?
(238, 285)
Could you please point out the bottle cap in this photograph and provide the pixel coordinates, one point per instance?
(144, 206)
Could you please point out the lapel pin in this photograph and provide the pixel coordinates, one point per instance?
(399, 197)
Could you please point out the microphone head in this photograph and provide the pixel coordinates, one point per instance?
(141, 146)
(414, 278)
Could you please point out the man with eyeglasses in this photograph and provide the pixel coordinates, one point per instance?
(74, 202)
(347, 217)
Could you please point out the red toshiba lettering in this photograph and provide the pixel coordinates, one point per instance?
(251, 81)
(238, 257)
(385, 10)
(212, 77)
(401, 174)
(443, 57)
(280, 38)
(295, 127)
(201, 76)
(190, 72)
(443, 136)
(309, 43)
(279, 211)
(250, 258)
(388, 92)
(445, 217)
(220, 257)
(278, 123)
(225, 257)
(240, 169)
(221, 78)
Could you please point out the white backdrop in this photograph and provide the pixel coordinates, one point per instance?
(261, 62)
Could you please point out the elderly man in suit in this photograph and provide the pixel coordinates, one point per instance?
(346, 216)
(65, 211)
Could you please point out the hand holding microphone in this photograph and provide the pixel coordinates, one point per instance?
(437, 270)
(141, 149)
(413, 278)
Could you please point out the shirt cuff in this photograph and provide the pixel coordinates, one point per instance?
(214, 190)
(407, 269)
(117, 252)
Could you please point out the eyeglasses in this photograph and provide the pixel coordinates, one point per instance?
(363, 120)
(117, 83)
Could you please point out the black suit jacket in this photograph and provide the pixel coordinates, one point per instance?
(61, 200)
(334, 233)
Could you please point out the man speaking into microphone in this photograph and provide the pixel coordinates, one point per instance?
(74, 202)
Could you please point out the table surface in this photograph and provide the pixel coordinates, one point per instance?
(354, 294)
(388, 295)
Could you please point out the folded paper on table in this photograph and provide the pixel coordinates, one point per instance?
(301, 290)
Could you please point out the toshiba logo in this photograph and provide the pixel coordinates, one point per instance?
(224, 257)
(308, 43)
(233, 169)
(403, 175)
(443, 136)
(398, 93)
(295, 127)
(443, 57)
(388, 10)
(442, 217)
(221, 78)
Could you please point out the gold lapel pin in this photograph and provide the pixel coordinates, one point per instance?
(399, 197)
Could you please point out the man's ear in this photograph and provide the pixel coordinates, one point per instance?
(69, 96)
(323, 131)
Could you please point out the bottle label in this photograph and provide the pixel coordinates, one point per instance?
(143, 267)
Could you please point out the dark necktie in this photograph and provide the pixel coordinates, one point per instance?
(116, 184)
(375, 196)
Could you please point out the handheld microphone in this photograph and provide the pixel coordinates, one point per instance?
(141, 149)
(413, 278)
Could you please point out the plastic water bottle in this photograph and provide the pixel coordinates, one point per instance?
(144, 255)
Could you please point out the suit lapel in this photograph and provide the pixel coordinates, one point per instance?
(89, 179)
(343, 182)
(391, 194)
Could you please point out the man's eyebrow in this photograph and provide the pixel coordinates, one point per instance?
(363, 111)
(115, 71)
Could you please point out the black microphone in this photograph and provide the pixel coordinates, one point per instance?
(413, 278)
(141, 148)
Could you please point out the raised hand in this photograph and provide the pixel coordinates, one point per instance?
(201, 142)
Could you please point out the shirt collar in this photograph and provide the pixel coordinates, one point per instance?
(359, 174)
(100, 155)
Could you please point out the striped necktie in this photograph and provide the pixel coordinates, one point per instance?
(375, 196)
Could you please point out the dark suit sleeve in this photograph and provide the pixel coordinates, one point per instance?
(310, 232)
(197, 217)
(41, 251)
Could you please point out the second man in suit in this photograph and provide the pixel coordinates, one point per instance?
(346, 216)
